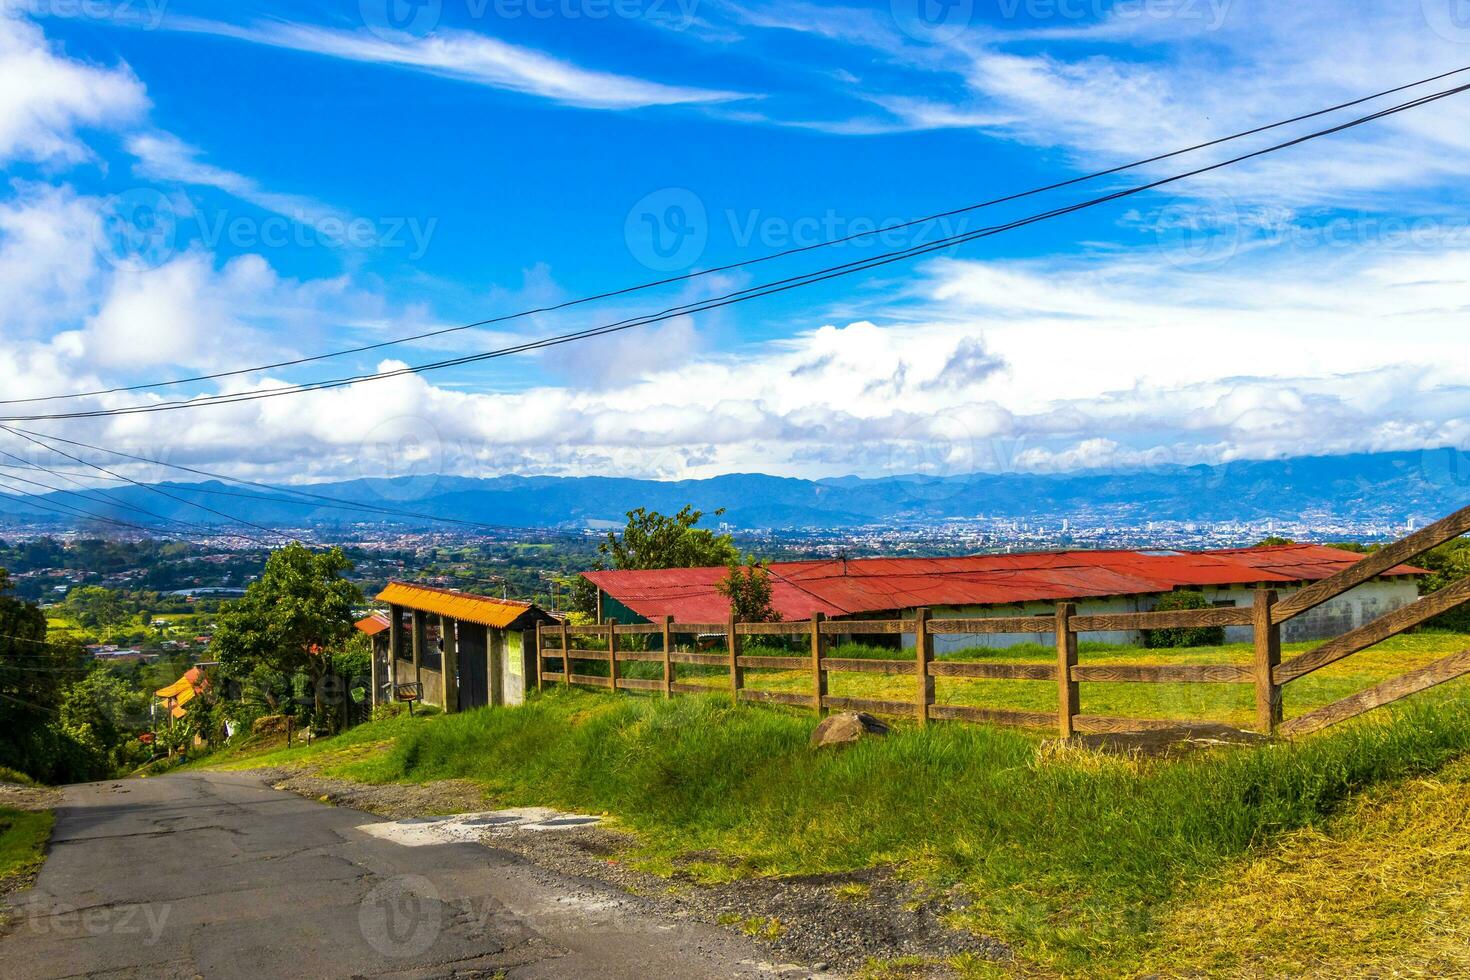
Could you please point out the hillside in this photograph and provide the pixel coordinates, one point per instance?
(1391, 487)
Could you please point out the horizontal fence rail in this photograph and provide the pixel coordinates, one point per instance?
(719, 646)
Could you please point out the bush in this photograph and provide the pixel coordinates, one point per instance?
(1197, 636)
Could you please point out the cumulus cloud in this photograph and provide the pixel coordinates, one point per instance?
(47, 98)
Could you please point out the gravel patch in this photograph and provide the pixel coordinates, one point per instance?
(19, 797)
(393, 800)
(833, 922)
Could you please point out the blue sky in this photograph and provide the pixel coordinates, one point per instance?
(192, 188)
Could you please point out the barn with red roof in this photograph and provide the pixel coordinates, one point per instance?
(1018, 584)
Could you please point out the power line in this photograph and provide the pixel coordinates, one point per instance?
(57, 507)
(314, 499)
(164, 493)
(624, 291)
(104, 501)
(738, 296)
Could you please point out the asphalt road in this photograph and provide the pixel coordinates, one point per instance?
(218, 875)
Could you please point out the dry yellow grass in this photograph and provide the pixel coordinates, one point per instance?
(1383, 890)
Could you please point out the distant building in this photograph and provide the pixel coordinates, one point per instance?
(1099, 582)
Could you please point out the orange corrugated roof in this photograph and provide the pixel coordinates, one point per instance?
(372, 625)
(498, 613)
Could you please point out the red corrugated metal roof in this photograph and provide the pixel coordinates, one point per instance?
(870, 585)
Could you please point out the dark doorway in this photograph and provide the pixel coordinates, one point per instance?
(474, 679)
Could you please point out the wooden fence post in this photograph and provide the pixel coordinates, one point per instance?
(737, 675)
(540, 652)
(819, 676)
(923, 657)
(566, 654)
(1067, 688)
(1268, 657)
(612, 655)
(668, 663)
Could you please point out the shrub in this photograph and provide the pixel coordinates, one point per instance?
(1193, 636)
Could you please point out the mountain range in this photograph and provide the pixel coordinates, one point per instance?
(1391, 487)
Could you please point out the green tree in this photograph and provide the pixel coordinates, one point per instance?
(1447, 564)
(34, 673)
(654, 540)
(1274, 541)
(291, 618)
(105, 711)
(1191, 636)
(748, 587)
(94, 607)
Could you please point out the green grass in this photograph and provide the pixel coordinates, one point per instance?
(1232, 704)
(8, 775)
(1071, 856)
(23, 837)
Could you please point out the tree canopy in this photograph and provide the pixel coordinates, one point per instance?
(292, 617)
(654, 540)
(748, 587)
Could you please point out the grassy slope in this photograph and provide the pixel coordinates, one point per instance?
(1081, 861)
(23, 837)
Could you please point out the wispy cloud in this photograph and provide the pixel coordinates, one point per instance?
(469, 57)
(164, 157)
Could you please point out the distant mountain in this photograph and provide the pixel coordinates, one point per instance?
(1394, 487)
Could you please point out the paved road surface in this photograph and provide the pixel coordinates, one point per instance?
(218, 875)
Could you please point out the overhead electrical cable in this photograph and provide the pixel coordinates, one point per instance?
(738, 296)
(685, 277)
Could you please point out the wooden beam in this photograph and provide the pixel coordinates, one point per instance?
(668, 637)
(994, 671)
(775, 697)
(418, 645)
(732, 643)
(819, 676)
(1380, 629)
(1372, 565)
(450, 664)
(1267, 634)
(870, 705)
(612, 653)
(923, 657)
(1165, 673)
(993, 716)
(994, 624)
(1389, 691)
(1067, 690)
(863, 665)
(566, 653)
(1168, 619)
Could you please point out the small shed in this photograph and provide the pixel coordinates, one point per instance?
(461, 650)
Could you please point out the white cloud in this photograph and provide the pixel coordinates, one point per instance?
(164, 157)
(45, 98)
(470, 57)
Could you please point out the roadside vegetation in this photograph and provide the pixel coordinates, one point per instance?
(23, 837)
(1085, 863)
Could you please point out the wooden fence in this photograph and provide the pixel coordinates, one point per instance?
(1268, 674)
